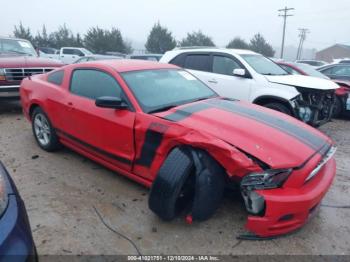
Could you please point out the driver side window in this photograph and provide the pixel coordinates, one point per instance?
(224, 65)
(92, 84)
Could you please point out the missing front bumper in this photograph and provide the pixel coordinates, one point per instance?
(314, 107)
(288, 209)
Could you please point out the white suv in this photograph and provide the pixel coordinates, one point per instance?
(245, 75)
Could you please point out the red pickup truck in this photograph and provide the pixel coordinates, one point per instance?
(18, 59)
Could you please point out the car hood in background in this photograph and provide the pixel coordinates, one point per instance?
(27, 61)
(302, 81)
(275, 138)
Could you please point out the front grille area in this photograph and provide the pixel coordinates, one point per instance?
(17, 74)
(321, 103)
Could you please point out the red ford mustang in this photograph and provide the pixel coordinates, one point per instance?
(160, 126)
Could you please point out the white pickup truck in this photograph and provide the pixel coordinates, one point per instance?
(68, 55)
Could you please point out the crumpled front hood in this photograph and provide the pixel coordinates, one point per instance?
(303, 81)
(27, 61)
(274, 138)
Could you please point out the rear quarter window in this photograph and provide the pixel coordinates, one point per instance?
(197, 62)
(178, 60)
(56, 77)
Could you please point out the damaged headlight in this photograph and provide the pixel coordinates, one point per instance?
(305, 114)
(268, 179)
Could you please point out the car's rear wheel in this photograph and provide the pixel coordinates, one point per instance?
(184, 183)
(279, 107)
(43, 131)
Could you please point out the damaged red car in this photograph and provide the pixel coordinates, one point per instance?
(160, 126)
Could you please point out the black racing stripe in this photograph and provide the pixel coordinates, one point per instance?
(302, 134)
(153, 139)
(186, 111)
(95, 149)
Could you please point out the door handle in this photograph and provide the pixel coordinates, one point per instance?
(213, 81)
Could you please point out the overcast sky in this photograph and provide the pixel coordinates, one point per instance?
(328, 20)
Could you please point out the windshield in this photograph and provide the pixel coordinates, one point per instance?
(263, 65)
(158, 90)
(309, 70)
(14, 46)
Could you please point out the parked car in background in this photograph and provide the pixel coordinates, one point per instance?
(160, 126)
(150, 57)
(18, 59)
(314, 63)
(301, 69)
(114, 53)
(16, 241)
(336, 71)
(342, 93)
(344, 61)
(96, 58)
(245, 75)
(48, 52)
(68, 55)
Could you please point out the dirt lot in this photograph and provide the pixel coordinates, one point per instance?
(61, 190)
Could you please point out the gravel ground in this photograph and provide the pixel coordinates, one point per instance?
(63, 190)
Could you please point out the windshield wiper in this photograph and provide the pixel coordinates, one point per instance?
(161, 109)
(203, 98)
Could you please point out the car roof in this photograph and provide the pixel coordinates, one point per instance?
(221, 50)
(13, 38)
(103, 56)
(126, 65)
(145, 55)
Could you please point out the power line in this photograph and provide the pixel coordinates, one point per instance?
(302, 35)
(284, 13)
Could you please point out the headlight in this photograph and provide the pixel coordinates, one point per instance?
(267, 179)
(2, 74)
(255, 203)
(3, 194)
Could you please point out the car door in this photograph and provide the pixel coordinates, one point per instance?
(224, 82)
(68, 55)
(65, 55)
(103, 132)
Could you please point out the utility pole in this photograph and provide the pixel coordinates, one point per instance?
(284, 13)
(302, 35)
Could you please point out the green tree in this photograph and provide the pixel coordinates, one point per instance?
(62, 37)
(258, 44)
(118, 44)
(21, 32)
(101, 41)
(42, 38)
(79, 41)
(197, 39)
(160, 40)
(95, 40)
(238, 43)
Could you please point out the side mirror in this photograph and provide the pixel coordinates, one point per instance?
(110, 102)
(240, 72)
